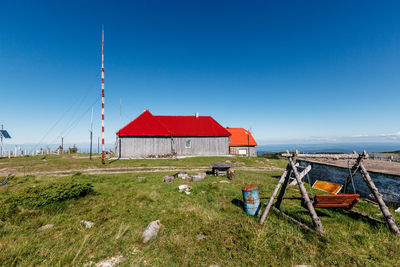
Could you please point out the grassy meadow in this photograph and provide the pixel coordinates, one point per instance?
(122, 205)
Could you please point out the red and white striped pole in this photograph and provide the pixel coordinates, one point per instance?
(102, 97)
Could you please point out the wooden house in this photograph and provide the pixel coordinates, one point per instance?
(158, 136)
(242, 142)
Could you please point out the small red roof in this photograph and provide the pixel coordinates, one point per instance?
(241, 137)
(149, 125)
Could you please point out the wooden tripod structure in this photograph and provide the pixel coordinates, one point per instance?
(291, 168)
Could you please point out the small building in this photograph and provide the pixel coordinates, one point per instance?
(161, 136)
(242, 142)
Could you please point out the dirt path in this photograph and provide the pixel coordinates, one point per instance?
(3, 172)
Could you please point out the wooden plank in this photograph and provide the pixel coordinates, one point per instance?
(308, 203)
(323, 156)
(330, 205)
(327, 186)
(283, 189)
(271, 199)
(340, 198)
(378, 196)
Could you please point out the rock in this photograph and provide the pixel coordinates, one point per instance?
(199, 176)
(189, 179)
(181, 175)
(111, 261)
(200, 237)
(224, 182)
(185, 188)
(228, 161)
(45, 227)
(88, 224)
(168, 179)
(239, 162)
(397, 210)
(151, 231)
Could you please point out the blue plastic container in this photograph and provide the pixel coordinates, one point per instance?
(251, 199)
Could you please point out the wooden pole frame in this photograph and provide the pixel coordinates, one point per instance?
(292, 168)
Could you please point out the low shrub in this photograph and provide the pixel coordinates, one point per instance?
(35, 197)
(271, 155)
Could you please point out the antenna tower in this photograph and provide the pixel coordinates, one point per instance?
(102, 96)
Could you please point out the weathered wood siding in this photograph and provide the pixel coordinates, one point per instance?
(234, 150)
(152, 146)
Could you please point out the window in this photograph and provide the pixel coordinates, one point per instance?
(242, 151)
(188, 144)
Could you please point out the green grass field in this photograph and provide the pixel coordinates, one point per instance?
(122, 205)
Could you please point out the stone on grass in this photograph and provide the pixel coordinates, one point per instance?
(397, 210)
(185, 188)
(168, 179)
(151, 231)
(200, 237)
(188, 179)
(224, 182)
(181, 175)
(88, 224)
(111, 261)
(199, 176)
(45, 227)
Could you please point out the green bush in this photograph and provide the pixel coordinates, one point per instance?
(35, 197)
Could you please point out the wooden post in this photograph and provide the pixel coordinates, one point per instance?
(307, 201)
(283, 189)
(271, 199)
(378, 196)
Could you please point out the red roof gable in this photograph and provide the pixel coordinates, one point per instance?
(239, 137)
(148, 125)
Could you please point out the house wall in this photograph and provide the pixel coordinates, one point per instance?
(146, 146)
(234, 150)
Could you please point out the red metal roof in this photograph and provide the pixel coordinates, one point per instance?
(239, 137)
(149, 125)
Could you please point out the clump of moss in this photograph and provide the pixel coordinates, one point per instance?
(39, 196)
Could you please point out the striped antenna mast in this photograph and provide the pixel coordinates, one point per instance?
(102, 96)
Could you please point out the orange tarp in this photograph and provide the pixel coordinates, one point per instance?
(241, 137)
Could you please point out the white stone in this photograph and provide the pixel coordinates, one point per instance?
(151, 231)
(45, 227)
(88, 224)
(110, 262)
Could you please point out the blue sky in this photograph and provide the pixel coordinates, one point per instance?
(292, 71)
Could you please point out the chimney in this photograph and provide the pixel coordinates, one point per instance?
(197, 114)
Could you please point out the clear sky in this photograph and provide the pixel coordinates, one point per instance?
(290, 70)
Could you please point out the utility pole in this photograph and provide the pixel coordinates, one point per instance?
(1, 136)
(248, 144)
(91, 134)
(62, 145)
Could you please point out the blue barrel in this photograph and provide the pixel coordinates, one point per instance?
(251, 200)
